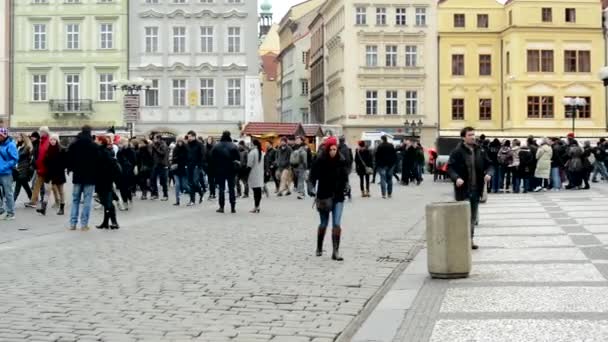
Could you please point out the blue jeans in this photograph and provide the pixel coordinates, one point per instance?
(179, 186)
(517, 182)
(386, 179)
(496, 179)
(336, 215)
(6, 182)
(556, 178)
(78, 192)
(599, 167)
(162, 173)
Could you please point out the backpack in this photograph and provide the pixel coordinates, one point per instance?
(505, 157)
(296, 157)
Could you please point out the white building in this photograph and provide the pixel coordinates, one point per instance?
(5, 34)
(202, 60)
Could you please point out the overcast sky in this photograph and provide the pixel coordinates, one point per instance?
(280, 7)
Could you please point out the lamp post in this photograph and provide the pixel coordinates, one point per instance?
(413, 129)
(573, 106)
(131, 104)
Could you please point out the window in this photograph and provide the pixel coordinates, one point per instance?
(392, 102)
(72, 32)
(106, 91)
(371, 102)
(540, 60)
(151, 1)
(106, 32)
(305, 57)
(485, 65)
(305, 116)
(510, 18)
(391, 56)
(206, 39)
(547, 15)
(234, 92)
(304, 87)
(400, 17)
(457, 65)
(286, 90)
(179, 93)
(459, 20)
(585, 111)
(151, 39)
(482, 21)
(411, 102)
(508, 63)
(540, 107)
(39, 88)
(361, 16)
(457, 109)
(577, 61)
(234, 39)
(40, 1)
(207, 92)
(381, 16)
(151, 98)
(371, 55)
(39, 36)
(508, 109)
(411, 54)
(485, 109)
(420, 16)
(570, 15)
(179, 39)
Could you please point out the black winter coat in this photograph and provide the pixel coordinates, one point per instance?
(181, 158)
(386, 156)
(109, 171)
(195, 154)
(332, 177)
(225, 158)
(458, 168)
(127, 159)
(56, 163)
(83, 158)
(363, 159)
(144, 160)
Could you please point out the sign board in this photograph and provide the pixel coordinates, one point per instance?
(131, 107)
(193, 98)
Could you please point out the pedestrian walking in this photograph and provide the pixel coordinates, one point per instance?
(24, 170)
(209, 167)
(493, 149)
(144, 168)
(127, 160)
(330, 174)
(195, 159)
(56, 163)
(243, 172)
(83, 158)
(558, 160)
(469, 168)
(40, 185)
(347, 153)
(283, 166)
(108, 175)
(226, 161)
(524, 170)
(386, 157)
(505, 159)
(363, 167)
(160, 163)
(255, 164)
(9, 157)
(544, 154)
(299, 165)
(178, 167)
(270, 167)
(599, 165)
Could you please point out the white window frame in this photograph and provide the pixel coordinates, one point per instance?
(152, 95)
(72, 36)
(392, 52)
(151, 39)
(234, 92)
(380, 16)
(207, 39)
(179, 35)
(411, 102)
(39, 35)
(234, 39)
(207, 92)
(106, 91)
(420, 16)
(39, 87)
(361, 16)
(401, 16)
(304, 87)
(411, 56)
(179, 88)
(392, 102)
(371, 102)
(106, 36)
(371, 56)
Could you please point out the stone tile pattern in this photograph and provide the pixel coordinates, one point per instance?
(182, 274)
(541, 285)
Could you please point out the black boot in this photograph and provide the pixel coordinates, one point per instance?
(42, 209)
(320, 238)
(335, 239)
(114, 224)
(61, 209)
(106, 217)
(233, 208)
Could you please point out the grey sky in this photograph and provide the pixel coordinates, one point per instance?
(280, 7)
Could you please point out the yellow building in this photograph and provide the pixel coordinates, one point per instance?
(506, 69)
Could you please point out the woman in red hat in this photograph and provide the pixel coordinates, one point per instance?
(329, 173)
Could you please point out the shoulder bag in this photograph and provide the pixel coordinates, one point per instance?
(368, 170)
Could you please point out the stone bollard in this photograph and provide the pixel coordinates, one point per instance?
(448, 236)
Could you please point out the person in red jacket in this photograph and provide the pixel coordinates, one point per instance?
(41, 172)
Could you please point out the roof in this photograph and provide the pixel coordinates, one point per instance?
(604, 4)
(313, 130)
(270, 66)
(281, 129)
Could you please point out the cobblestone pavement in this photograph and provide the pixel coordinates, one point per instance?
(541, 274)
(192, 274)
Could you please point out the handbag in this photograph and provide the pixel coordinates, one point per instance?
(324, 205)
(368, 170)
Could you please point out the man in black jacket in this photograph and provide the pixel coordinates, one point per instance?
(226, 161)
(83, 160)
(386, 157)
(469, 168)
(196, 157)
(160, 157)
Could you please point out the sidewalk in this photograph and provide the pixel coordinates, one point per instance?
(540, 275)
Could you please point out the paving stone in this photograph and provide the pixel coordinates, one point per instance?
(528, 254)
(533, 273)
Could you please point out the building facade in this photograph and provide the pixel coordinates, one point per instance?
(269, 50)
(504, 70)
(316, 65)
(66, 56)
(294, 38)
(381, 67)
(202, 60)
(5, 57)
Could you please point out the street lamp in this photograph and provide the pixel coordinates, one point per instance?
(604, 75)
(132, 86)
(574, 105)
(413, 129)
(131, 101)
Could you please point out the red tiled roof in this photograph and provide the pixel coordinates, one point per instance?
(282, 129)
(312, 130)
(270, 65)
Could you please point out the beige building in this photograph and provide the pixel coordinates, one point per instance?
(381, 66)
(5, 52)
(269, 50)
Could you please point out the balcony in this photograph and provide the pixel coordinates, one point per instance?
(71, 107)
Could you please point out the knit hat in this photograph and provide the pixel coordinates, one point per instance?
(570, 135)
(331, 141)
(35, 135)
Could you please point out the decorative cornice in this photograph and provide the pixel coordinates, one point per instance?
(179, 12)
(201, 14)
(235, 13)
(179, 65)
(206, 66)
(234, 67)
(151, 14)
(150, 67)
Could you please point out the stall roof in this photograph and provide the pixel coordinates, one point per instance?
(313, 130)
(281, 129)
